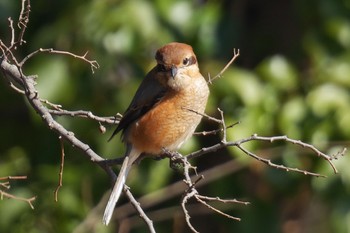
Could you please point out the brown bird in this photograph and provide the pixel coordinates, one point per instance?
(164, 112)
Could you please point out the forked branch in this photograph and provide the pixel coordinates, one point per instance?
(5, 185)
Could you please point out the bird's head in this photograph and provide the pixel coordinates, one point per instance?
(176, 64)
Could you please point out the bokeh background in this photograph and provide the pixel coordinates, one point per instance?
(292, 78)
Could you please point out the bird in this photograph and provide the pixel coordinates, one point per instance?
(164, 112)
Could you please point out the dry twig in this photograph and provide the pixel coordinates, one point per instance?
(87, 114)
(139, 209)
(8, 195)
(219, 75)
(60, 174)
(23, 20)
(192, 192)
(6, 185)
(12, 71)
(93, 63)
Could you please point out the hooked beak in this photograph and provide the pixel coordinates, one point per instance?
(173, 71)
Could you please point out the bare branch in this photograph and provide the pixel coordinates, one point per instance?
(219, 75)
(185, 199)
(192, 192)
(58, 111)
(6, 185)
(223, 125)
(93, 63)
(23, 20)
(60, 174)
(15, 88)
(215, 131)
(87, 114)
(7, 51)
(13, 178)
(223, 200)
(215, 209)
(137, 206)
(12, 43)
(282, 167)
(255, 137)
(205, 115)
(35, 101)
(305, 145)
(12, 70)
(57, 107)
(8, 195)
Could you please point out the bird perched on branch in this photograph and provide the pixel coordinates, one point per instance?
(164, 112)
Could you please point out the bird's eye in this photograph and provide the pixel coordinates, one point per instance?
(186, 61)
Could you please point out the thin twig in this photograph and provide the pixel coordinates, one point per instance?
(13, 178)
(58, 111)
(278, 166)
(189, 193)
(223, 125)
(93, 63)
(305, 145)
(87, 114)
(255, 137)
(57, 107)
(185, 199)
(219, 75)
(7, 51)
(205, 115)
(192, 192)
(216, 210)
(12, 43)
(139, 209)
(8, 195)
(15, 88)
(60, 174)
(23, 20)
(215, 131)
(5, 185)
(223, 200)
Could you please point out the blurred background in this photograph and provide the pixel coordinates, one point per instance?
(292, 78)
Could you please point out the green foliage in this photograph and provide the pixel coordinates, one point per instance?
(292, 78)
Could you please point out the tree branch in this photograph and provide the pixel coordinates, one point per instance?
(8, 195)
(87, 114)
(219, 75)
(93, 63)
(6, 185)
(33, 98)
(25, 85)
(139, 209)
(60, 174)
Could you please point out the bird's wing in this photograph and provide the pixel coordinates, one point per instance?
(147, 95)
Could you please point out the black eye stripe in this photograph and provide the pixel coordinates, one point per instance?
(185, 62)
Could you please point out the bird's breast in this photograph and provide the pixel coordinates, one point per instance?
(171, 121)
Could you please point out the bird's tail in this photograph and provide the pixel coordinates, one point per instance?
(119, 184)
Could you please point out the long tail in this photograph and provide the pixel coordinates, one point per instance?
(119, 184)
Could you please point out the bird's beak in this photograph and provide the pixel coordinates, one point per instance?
(173, 71)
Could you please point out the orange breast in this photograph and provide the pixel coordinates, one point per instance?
(168, 124)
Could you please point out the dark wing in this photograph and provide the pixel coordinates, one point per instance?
(147, 95)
